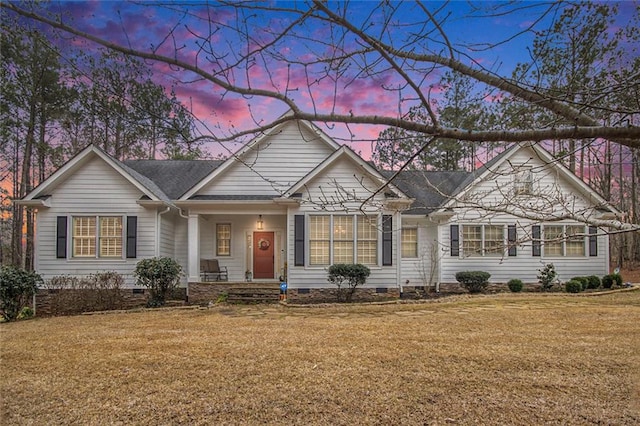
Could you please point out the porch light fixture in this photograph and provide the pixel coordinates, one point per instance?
(260, 223)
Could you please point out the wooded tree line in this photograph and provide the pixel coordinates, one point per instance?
(54, 103)
(577, 60)
(579, 93)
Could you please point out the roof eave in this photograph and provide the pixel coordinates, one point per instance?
(35, 203)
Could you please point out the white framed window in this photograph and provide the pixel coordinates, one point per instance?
(483, 240)
(343, 239)
(223, 239)
(523, 181)
(575, 243)
(110, 242)
(564, 240)
(409, 242)
(319, 240)
(96, 236)
(368, 240)
(472, 240)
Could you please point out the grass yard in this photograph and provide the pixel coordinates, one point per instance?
(500, 359)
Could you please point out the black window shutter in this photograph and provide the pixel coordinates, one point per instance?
(132, 236)
(535, 240)
(61, 237)
(512, 238)
(455, 240)
(387, 240)
(299, 240)
(593, 241)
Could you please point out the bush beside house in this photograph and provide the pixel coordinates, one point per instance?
(17, 287)
(473, 281)
(347, 277)
(160, 275)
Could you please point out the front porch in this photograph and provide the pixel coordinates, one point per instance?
(249, 243)
(204, 293)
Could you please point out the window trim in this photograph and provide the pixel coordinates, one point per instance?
(566, 238)
(97, 238)
(402, 242)
(218, 239)
(356, 218)
(484, 252)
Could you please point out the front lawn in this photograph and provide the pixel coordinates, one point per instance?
(501, 359)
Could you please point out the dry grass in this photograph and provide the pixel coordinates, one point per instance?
(506, 359)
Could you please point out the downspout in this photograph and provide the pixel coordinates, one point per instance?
(158, 222)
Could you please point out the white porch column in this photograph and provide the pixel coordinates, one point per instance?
(193, 250)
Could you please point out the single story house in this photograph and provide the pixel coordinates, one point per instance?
(293, 201)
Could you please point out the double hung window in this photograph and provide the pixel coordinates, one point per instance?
(97, 234)
(223, 239)
(343, 239)
(483, 240)
(409, 242)
(564, 240)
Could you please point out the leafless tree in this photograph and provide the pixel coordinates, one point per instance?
(303, 57)
(312, 45)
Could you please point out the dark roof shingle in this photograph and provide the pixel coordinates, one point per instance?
(174, 177)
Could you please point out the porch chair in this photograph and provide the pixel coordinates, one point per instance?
(210, 270)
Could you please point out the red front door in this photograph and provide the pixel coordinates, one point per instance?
(263, 255)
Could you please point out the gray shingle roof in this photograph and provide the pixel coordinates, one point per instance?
(173, 177)
(170, 179)
(242, 197)
(430, 189)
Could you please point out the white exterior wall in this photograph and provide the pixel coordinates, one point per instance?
(422, 270)
(94, 189)
(329, 191)
(524, 266)
(273, 165)
(553, 197)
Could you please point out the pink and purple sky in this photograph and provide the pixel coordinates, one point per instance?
(207, 35)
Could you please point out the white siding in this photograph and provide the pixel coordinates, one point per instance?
(423, 270)
(167, 234)
(555, 197)
(339, 189)
(273, 166)
(524, 266)
(94, 189)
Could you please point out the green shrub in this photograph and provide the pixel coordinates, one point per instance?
(222, 297)
(547, 276)
(515, 285)
(617, 280)
(594, 281)
(26, 313)
(473, 281)
(17, 286)
(584, 281)
(610, 280)
(351, 275)
(573, 286)
(160, 275)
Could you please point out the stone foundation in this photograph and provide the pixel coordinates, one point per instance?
(207, 292)
(330, 295)
(69, 302)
